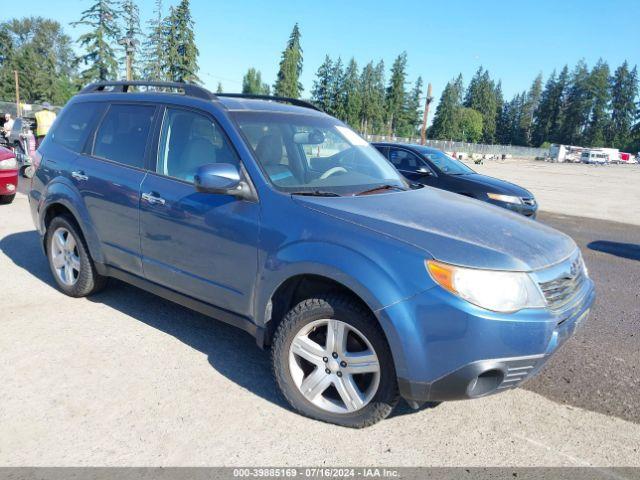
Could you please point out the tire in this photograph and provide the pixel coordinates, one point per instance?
(80, 273)
(378, 391)
(6, 199)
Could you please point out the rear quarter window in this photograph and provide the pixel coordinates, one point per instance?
(74, 125)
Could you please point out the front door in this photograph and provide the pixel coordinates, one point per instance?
(109, 176)
(411, 166)
(200, 244)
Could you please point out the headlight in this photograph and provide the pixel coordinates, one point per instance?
(494, 290)
(8, 164)
(504, 198)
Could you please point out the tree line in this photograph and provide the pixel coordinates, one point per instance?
(588, 107)
(49, 70)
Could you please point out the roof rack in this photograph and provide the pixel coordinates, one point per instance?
(273, 98)
(123, 86)
(189, 89)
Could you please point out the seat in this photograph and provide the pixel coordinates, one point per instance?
(269, 153)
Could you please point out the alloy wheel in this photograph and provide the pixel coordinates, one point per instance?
(65, 257)
(334, 366)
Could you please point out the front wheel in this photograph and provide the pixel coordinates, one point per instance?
(332, 362)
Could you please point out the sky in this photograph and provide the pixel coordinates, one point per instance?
(514, 40)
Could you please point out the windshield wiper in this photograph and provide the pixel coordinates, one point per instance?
(315, 193)
(379, 187)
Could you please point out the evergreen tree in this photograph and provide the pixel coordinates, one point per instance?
(352, 95)
(379, 98)
(132, 31)
(396, 95)
(499, 109)
(413, 111)
(542, 115)
(155, 46)
(337, 91)
(447, 117)
(549, 115)
(578, 106)
(624, 90)
(372, 98)
(600, 93)
(514, 116)
(530, 105)
(481, 97)
(101, 20)
(219, 88)
(288, 79)
(181, 47)
(252, 83)
(321, 90)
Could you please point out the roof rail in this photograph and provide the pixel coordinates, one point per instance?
(273, 98)
(189, 89)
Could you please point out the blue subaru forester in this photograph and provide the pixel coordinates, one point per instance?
(276, 218)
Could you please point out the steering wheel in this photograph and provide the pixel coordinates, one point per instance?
(333, 171)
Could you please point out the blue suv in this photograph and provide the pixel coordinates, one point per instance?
(276, 218)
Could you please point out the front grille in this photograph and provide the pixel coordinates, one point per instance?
(529, 201)
(561, 290)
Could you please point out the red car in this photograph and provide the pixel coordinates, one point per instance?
(8, 175)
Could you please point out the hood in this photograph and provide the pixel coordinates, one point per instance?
(490, 184)
(452, 228)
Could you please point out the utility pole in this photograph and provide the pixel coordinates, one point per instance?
(18, 112)
(427, 102)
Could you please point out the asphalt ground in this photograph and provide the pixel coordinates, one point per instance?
(126, 378)
(599, 368)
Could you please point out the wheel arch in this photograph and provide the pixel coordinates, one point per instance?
(60, 199)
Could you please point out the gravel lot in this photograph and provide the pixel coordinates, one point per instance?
(126, 378)
(610, 192)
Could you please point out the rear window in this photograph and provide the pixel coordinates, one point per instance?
(122, 135)
(75, 124)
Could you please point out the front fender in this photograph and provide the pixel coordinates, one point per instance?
(62, 192)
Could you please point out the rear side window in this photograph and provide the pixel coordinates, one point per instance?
(122, 135)
(75, 124)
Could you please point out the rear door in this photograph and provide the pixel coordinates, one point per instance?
(200, 244)
(109, 176)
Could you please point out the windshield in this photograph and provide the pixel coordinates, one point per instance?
(445, 163)
(315, 155)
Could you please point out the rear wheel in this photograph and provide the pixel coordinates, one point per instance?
(332, 362)
(69, 259)
(5, 199)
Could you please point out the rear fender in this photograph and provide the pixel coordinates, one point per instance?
(62, 192)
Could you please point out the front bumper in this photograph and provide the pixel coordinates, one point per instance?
(8, 182)
(447, 349)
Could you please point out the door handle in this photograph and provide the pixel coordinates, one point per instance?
(80, 176)
(153, 198)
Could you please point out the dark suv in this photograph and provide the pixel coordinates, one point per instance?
(276, 218)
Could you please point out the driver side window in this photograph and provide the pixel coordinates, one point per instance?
(188, 141)
(404, 160)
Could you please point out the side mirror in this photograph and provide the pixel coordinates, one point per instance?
(221, 178)
(424, 171)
